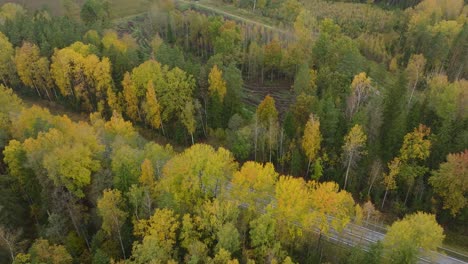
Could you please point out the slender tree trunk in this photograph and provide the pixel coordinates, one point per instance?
(206, 112)
(385, 197)
(281, 146)
(407, 193)
(256, 138)
(270, 153)
(48, 95)
(121, 244)
(136, 213)
(162, 129)
(193, 142)
(422, 193)
(371, 184)
(414, 88)
(202, 122)
(55, 93)
(270, 141)
(347, 172)
(308, 168)
(149, 206)
(37, 90)
(263, 147)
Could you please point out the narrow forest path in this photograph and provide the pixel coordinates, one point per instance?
(204, 5)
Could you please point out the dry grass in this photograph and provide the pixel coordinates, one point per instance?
(54, 6)
(119, 8)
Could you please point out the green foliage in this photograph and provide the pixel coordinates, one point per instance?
(450, 182)
(9, 103)
(406, 236)
(263, 235)
(7, 73)
(95, 13)
(43, 252)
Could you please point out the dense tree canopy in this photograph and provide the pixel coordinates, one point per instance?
(201, 133)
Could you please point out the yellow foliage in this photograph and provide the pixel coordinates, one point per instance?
(416, 146)
(394, 169)
(217, 83)
(147, 174)
(163, 225)
(254, 183)
(266, 111)
(197, 173)
(152, 108)
(130, 97)
(110, 38)
(312, 138)
(419, 230)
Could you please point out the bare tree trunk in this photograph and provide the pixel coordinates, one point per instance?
(206, 113)
(47, 93)
(308, 168)
(149, 206)
(414, 88)
(55, 93)
(162, 128)
(347, 172)
(371, 184)
(281, 146)
(270, 141)
(385, 197)
(407, 193)
(202, 122)
(136, 213)
(121, 243)
(256, 138)
(37, 90)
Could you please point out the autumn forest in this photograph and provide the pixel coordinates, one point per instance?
(233, 131)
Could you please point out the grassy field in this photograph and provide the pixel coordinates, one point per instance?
(122, 8)
(119, 8)
(54, 6)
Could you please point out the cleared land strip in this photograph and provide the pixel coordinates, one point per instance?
(207, 8)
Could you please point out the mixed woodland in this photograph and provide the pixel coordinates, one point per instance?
(208, 139)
